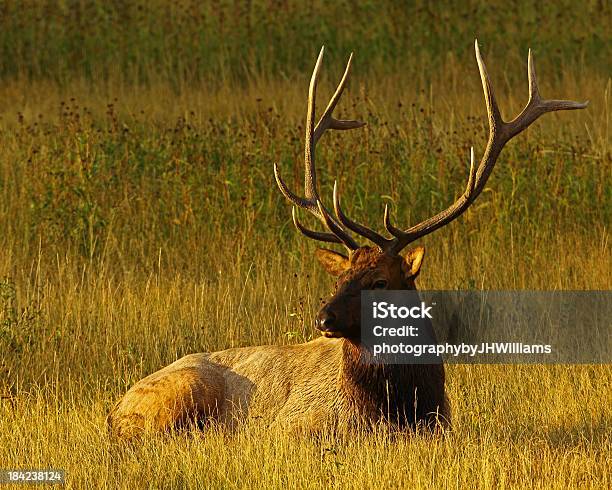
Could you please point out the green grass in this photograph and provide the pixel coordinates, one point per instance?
(139, 221)
(226, 41)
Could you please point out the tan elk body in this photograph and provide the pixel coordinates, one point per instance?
(328, 382)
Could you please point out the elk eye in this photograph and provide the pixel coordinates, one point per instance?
(380, 284)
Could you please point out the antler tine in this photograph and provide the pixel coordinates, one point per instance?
(338, 235)
(312, 201)
(403, 238)
(362, 230)
(327, 121)
(500, 132)
(310, 175)
(536, 106)
(316, 235)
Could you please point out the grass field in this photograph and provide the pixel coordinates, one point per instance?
(139, 222)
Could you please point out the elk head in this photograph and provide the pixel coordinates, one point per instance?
(382, 266)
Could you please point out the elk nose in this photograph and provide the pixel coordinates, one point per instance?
(326, 320)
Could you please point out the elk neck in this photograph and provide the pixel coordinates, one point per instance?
(403, 394)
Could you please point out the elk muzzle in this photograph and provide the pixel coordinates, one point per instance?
(340, 316)
(326, 321)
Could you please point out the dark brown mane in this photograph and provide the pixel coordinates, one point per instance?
(402, 394)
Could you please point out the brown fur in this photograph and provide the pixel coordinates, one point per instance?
(322, 383)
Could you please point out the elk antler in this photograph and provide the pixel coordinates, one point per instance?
(311, 201)
(500, 132)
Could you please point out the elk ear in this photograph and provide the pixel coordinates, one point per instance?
(335, 263)
(411, 265)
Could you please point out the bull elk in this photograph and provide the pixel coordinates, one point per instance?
(323, 382)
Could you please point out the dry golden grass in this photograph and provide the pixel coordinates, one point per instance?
(514, 427)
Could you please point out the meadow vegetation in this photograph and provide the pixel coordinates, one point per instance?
(139, 221)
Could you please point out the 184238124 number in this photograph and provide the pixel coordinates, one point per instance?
(32, 476)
